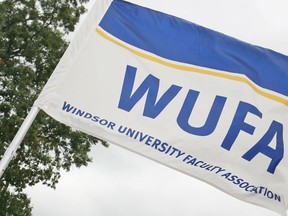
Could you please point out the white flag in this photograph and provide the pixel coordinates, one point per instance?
(195, 100)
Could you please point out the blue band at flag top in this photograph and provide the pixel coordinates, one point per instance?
(159, 33)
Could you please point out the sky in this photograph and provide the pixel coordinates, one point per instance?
(121, 183)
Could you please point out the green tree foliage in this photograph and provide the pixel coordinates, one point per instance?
(32, 41)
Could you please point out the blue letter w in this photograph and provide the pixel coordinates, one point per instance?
(150, 85)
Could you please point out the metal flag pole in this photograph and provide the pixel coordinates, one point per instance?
(11, 150)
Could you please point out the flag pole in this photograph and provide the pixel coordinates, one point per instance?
(11, 150)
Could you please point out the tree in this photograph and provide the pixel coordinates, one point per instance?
(32, 41)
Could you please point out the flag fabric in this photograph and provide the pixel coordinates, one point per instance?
(190, 98)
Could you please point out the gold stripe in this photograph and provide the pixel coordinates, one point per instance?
(194, 69)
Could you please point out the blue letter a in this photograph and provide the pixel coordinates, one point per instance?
(150, 85)
(277, 154)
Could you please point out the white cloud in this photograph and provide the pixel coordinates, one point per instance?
(122, 183)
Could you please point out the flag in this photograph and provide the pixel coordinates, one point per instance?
(190, 98)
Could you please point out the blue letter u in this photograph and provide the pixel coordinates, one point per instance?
(211, 121)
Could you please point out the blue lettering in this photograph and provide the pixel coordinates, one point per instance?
(156, 143)
(80, 112)
(239, 124)
(67, 107)
(212, 120)
(238, 181)
(226, 175)
(150, 85)
(142, 137)
(163, 147)
(155, 104)
(276, 155)
(233, 178)
(149, 140)
(130, 132)
(88, 115)
(95, 118)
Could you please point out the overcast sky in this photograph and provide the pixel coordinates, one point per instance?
(121, 183)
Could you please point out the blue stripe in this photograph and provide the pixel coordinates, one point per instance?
(182, 41)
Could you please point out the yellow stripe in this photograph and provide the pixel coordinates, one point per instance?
(195, 70)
